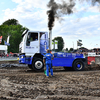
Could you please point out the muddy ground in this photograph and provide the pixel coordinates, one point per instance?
(21, 83)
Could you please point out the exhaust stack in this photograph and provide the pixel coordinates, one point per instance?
(50, 40)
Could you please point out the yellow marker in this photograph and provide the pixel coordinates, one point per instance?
(17, 58)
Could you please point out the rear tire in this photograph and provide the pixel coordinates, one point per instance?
(78, 65)
(37, 64)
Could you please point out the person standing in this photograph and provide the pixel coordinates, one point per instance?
(47, 59)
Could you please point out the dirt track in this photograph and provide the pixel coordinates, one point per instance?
(20, 83)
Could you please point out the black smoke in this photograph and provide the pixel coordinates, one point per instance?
(93, 2)
(57, 10)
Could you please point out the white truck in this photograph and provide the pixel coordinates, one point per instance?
(32, 48)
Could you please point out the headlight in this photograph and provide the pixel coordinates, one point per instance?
(22, 57)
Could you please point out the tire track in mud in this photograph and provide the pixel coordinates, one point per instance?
(22, 83)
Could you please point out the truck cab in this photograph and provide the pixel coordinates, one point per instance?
(33, 42)
(32, 48)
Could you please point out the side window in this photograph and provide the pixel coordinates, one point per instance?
(31, 37)
(34, 37)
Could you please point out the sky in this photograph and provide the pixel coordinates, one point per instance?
(83, 24)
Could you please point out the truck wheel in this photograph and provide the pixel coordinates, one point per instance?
(37, 64)
(30, 66)
(78, 65)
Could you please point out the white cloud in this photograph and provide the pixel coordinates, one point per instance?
(99, 28)
(32, 3)
(78, 33)
(94, 9)
(30, 13)
(17, 1)
(86, 29)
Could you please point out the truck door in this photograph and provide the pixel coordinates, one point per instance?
(44, 42)
(32, 43)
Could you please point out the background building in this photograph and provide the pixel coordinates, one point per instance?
(3, 49)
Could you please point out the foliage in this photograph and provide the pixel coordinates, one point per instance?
(82, 48)
(15, 32)
(71, 49)
(11, 22)
(60, 43)
(66, 49)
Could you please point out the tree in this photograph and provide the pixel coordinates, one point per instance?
(15, 32)
(82, 48)
(71, 49)
(11, 22)
(60, 43)
(4, 32)
(15, 38)
(66, 49)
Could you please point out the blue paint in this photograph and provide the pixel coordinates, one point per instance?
(45, 36)
(65, 59)
(45, 43)
(25, 60)
(78, 65)
(60, 59)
